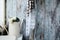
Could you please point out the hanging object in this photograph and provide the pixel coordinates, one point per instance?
(30, 7)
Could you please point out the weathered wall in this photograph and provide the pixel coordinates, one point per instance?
(46, 16)
(48, 19)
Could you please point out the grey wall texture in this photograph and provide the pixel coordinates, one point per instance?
(45, 17)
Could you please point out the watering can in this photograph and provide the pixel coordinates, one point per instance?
(14, 26)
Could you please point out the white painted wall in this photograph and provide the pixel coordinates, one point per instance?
(1, 12)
